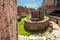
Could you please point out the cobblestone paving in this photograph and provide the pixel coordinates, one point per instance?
(54, 35)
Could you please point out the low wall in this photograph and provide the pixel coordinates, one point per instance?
(54, 19)
(35, 26)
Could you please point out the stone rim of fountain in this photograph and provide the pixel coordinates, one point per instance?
(35, 26)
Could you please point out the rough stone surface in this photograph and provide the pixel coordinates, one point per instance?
(53, 19)
(21, 12)
(35, 26)
(41, 13)
(54, 25)
(8, 21)
(34, 15)
(59, 22)
(37, 15)
(48, 3)
(49, 6)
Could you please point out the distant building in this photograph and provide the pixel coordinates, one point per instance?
(52, 10)
(27, 10)
(21, 11)
(51, 6)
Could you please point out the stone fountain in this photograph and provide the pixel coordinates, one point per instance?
(37, 21)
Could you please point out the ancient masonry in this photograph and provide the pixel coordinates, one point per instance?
(52, 6)
(8, 22)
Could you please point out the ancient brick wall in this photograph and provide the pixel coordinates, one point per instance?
(50, 6)
(49, 2)
(35, 26)
(8, 22)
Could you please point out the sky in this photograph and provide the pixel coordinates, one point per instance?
(30, 3)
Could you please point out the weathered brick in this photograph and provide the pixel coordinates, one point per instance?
(59, 22)
(35, 26)
(53, 19)
(8, 12)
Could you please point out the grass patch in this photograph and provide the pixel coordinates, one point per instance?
(21, 30)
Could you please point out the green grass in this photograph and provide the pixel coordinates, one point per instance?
(21, 30)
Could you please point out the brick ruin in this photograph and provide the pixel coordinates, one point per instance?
(23, 11)
(52, 9)
(36, 15)
(35, 23)
(50, 5)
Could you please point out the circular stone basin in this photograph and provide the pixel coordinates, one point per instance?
(36, 26)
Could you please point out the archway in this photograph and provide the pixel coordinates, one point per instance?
(55, 13)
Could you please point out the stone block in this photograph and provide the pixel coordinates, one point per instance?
(34, 19)
(35, 26)
(35, 14)
(53, 19)
(59, 22)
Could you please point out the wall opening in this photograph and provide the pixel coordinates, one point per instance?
(55, 13)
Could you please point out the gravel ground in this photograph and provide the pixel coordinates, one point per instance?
(53, 33)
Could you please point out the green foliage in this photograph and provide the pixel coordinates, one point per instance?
(21, 30)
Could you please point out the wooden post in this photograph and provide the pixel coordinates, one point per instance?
(8, 20)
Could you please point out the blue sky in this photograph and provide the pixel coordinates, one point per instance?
(30, 3)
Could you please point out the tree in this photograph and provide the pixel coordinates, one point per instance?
(8, 20)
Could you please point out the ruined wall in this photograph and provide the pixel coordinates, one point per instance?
(50, 6)
(8, 22)
(49, 2)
